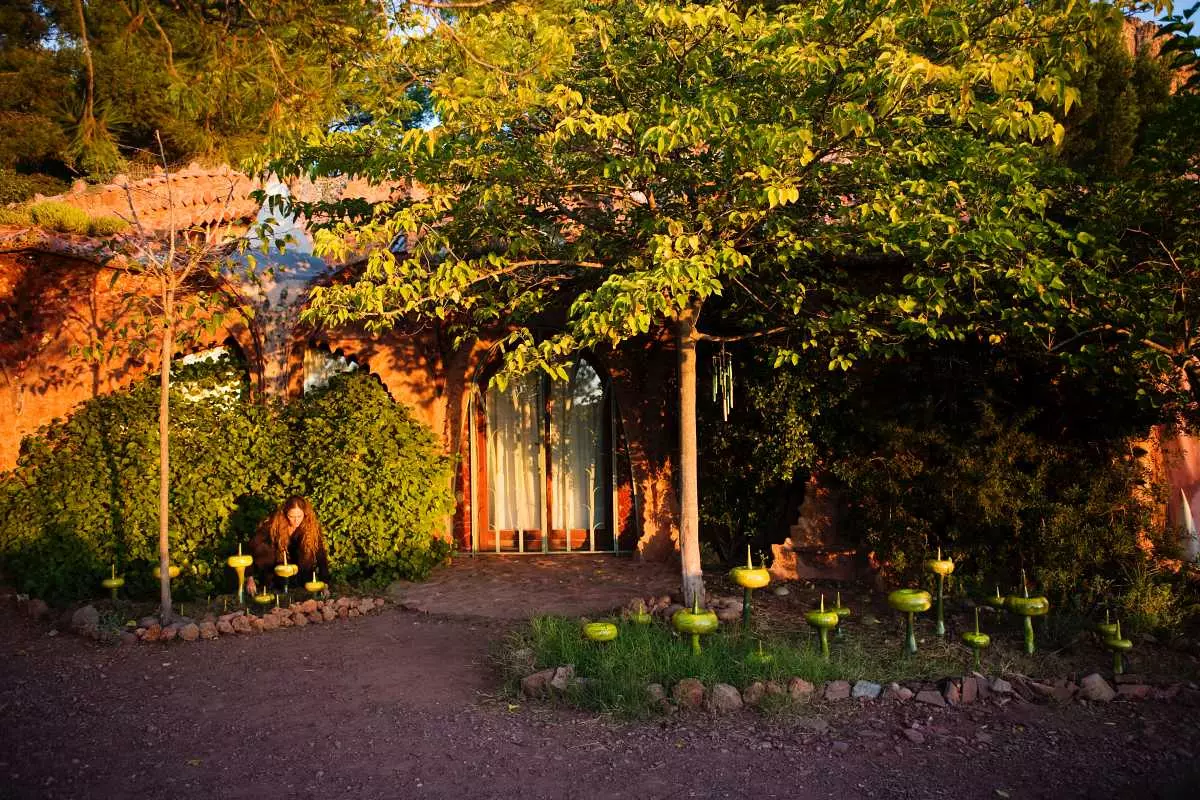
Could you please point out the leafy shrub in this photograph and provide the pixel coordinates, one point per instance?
(61, 217)
(15, 216)
(378, 480)
(107, 226)
(16, 187)
(85, 492)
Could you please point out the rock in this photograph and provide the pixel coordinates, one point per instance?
(354, 612)
(224, 626)
(153, 633)
(754, 693)
(380, 602)
(688, 693)
(299, 620)
(226, 618)
(563, 677)
(309, 606)
(1133, 691)
(537, 684)
(656, 695)
(813, 724)
(189, 632)
(781, 591)
(85, 620)
(837, 690)
(729, 615)
(241, 625)
(37, 609)
(724, 699)
(329, 613)
(897, 692)
(146, 622)
(970, 690)
(931, 697)
(866, 689)
(800, 689)
(1001, 686)
(256, 624)
(270, 622)
(775, 689)
(1128, 677)
(1096, 689)
(316, 618)
(671, 610)
(208, 630)
(951, 693)
(840, 748)
(284, 620)
(169, 633)
(914, 736)
(364, 606)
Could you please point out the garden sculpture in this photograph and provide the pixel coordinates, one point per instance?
(113, 583)
(940, 567)
(1028, 607)
(600, 631)
(749, 578)
(976, 640)
(822, 620)
(695, 622)
(1119, 647)
(909, 602)
(239, 564)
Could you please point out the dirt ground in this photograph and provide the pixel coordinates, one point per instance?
(402, 705)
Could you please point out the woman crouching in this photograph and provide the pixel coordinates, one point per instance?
(292, 531)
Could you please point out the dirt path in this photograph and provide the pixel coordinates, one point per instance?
(397, 706)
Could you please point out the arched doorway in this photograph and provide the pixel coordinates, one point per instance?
(542, 466)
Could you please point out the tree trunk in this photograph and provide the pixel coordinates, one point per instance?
(88, 123)
(689, 528)
(164, 471)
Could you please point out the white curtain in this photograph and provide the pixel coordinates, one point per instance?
(580, 477)
(513, 453)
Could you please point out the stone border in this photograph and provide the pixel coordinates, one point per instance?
(85, 621)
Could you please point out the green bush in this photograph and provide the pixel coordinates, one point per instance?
(16, 187)
(378, 480)
(15, 216)
(85, 492)
(61, 217)
(107, 226)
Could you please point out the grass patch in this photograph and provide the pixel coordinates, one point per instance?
(618, 672)
(60, 217)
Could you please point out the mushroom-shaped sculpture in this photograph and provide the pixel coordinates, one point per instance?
(239, 564)
(1107, 629)
(941, 567)
(1119, 647)
(600, 631)
(996, 601)
(264, 599)
(1028, 607)
(843, 613)
(976, 640)
(757, 658)
(286, 571)
(822, 620)
(640, 615)
(113, 582)
(695, 622)
(314, 586)
(909, 602)
(749, 578)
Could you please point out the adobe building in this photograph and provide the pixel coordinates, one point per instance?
(546, 467)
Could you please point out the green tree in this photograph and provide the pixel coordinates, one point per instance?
(843, 176)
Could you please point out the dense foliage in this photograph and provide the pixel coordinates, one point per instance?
(84, 86)
(84, 494)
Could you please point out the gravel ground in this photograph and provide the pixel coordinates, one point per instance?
(403, 705)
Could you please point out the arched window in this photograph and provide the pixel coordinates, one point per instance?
(547, 465)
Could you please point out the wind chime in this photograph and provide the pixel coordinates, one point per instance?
(722, 385)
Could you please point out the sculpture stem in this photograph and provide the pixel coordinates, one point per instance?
(1118, 663)
(241, 573)
(977, 667)
(825, 643)
(1029, 648)
(746, 611)
(695, 644)
(910, 642)
(941, 625)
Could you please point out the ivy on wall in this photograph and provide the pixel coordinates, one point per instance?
(84, 493)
